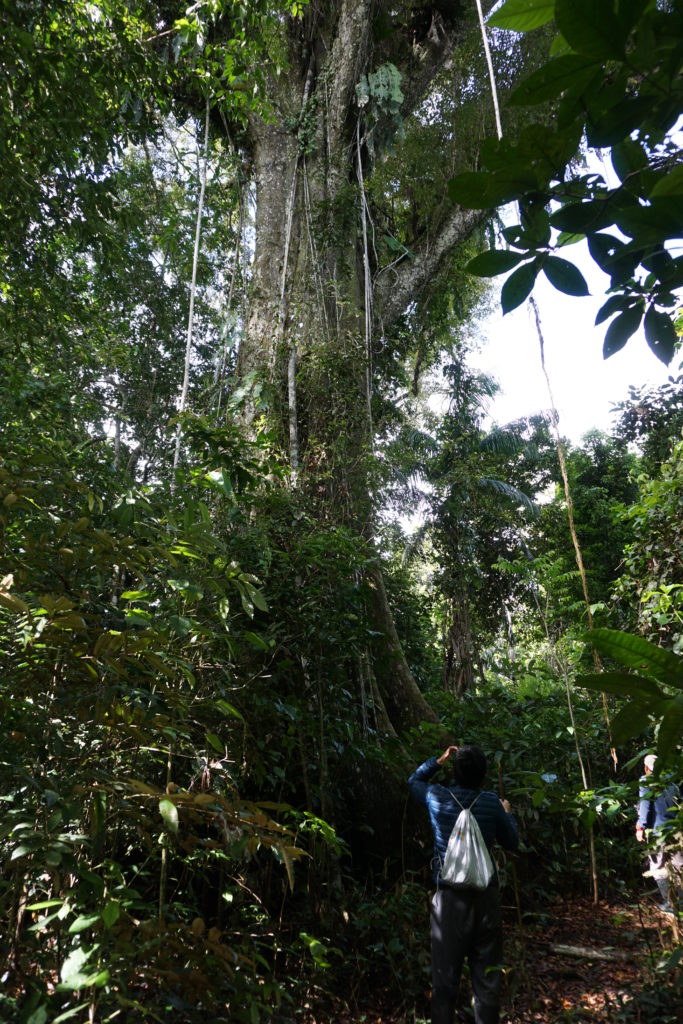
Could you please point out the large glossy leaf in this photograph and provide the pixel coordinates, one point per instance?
(653, 223)
(621, 329)
(493, 262)
(569, 71)
(660, 334)
(629, 11)
(604, 249)
(670, 185)
(564, 276)
(671, 727)
(614, 123)
(518, 286)
(523, 15)
(476, 190)
(636, 652)
(591, 27)
(629, 721)
(614, 303)
(583, 217)
(628, 157)
(622, 684)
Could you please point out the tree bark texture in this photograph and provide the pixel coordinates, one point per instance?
(308, 234)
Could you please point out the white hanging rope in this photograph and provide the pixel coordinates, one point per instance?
(193, 288)
(492, 77)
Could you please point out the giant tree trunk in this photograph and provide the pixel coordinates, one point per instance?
(312, 309)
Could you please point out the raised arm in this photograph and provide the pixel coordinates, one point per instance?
(418, 783)
(506, 827)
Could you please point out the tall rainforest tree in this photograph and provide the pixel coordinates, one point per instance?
(337, 263)
(348, 249)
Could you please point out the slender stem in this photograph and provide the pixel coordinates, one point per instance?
(282, 312)
(584, 777)
(236, 260)
(164, 848)
(193, 287)
(367, 285)
(570, 515)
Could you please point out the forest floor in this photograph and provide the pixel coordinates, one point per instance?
(575, 962)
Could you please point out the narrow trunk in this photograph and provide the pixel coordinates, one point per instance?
(458, 672)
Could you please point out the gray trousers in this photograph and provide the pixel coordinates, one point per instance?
(666, 867)
(466, 924)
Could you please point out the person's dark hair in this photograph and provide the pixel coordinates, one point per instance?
(469, 766)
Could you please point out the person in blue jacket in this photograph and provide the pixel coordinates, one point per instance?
(656, 808)
(464, 922)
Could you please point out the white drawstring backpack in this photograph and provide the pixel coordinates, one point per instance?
(467, 864)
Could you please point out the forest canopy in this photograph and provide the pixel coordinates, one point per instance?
(244, 254)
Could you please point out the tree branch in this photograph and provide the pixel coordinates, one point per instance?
(426, 58)
(396, 288)
(349, 53)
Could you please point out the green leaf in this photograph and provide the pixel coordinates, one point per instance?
(220, 479)
(592, 215)
(559, 46)
(75, 1011)
(215, 742)
(493, 262)
(180, 624)
(228, 709)
(258, 599)
(255, 640)
(568, 238)
(611, 123)
(604, 249)
(636, 652)
(83, 922)
(247, 603)
(564, 276)
(620, 330)
(522, 15)
(518, 286)
(72, 966)
(138, 617)
(44, 904)
(660, 334)
(479, 190)
(591, 27)
(553, 78)
(39, 1016)
(628, 157)
(630, 12)
(110, 914)
(629, 721)
(79, 980)
(670, 185)
(20, 851)
(654, 223)
(622, 684)
(671, 727)
(169, 812)
(614, 303)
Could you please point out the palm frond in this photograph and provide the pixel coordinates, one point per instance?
(501, 441)
(508, 491)
(415, 543)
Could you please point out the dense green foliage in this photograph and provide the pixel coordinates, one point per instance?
(203, 801)
(613, 75)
